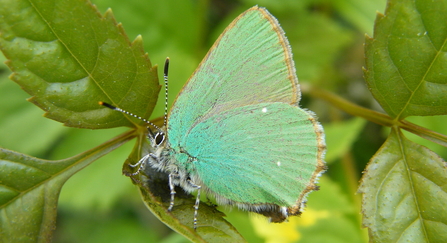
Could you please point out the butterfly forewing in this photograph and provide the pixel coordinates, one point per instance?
(250, 63)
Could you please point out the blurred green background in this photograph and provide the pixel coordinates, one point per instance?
(101, 205)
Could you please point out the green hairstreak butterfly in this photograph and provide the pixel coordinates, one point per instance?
(236, 130)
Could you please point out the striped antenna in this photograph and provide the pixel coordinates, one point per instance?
(165, 76)
(128, 113)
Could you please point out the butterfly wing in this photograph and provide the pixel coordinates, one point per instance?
(250, 63)
(268, 153)
(238, 119)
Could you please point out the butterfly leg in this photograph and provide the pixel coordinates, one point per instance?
(171, 187)
(140, 164)
(196, 204)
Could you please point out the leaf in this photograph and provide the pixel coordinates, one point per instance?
(405, 193)
(29, 189)
(69, 57)
(340, 136)
(21, 128)
(405, 60)
(359, 13)
(88, 190)
(312, 52)
(155, 192)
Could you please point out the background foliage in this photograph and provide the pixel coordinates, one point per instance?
(98, 204)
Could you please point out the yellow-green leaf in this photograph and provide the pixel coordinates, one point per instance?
(405, 193)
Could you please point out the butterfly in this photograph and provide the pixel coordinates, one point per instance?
(236, 131)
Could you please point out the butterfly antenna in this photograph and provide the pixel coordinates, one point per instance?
(165, 76)
(130, 114)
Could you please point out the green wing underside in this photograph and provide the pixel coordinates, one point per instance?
(238, 117)
(263, 153)
(250, 63)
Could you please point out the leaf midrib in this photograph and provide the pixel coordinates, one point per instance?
(400, 139)
(74, 56)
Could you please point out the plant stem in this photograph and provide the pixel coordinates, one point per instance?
(423, 132)
(351, 108)
(376, 117)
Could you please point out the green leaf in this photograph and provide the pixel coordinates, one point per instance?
(405, 193)
(154, 189)
(313, 54)
(87, 189)
(119, 226)
(405, 60)
(69, 57)
(340, 136)
(29, 189)
(21, 127)
(359, 13)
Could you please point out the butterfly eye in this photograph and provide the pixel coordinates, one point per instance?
(159, 138)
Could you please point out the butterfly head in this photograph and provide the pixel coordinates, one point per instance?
(157, 139)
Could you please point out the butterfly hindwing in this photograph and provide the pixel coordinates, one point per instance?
(258, 154)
